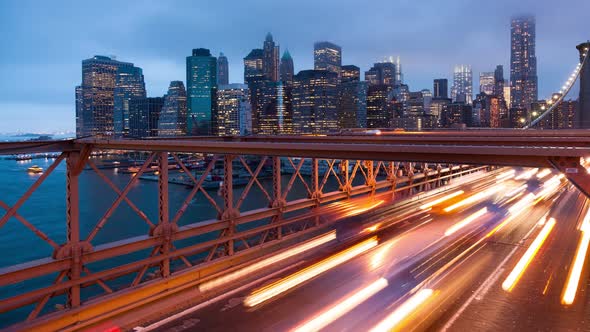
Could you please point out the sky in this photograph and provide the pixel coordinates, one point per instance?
(44, 42)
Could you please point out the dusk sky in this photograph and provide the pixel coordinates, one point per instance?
(44, 42)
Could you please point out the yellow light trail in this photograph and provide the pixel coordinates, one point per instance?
(360, 210)
(506, 175)
(232, 276)
(403, 311)
(516, 191)
(573, 278)
(267, 292)
(477, 197)
(380, 254)
(466, 221)
(441, 199)
(528, 256)
(343, 307)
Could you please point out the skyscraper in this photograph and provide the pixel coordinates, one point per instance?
(499, 81)
(379, 106)
(222, 70)
(201, 81)
(351, 98)
(270, 62)
(382, 73)
(129, 86)
(253, 65)
(287, 69)
(350, 73)
(95, 105)
(231, 101)
(523, 62)
(462, 90)
(144, 114)
(487, 82)
(315, 101)
(441, 88)
(173, 115)
(327, 56)
(582, 118)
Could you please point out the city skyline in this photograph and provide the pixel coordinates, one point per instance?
(56, 68)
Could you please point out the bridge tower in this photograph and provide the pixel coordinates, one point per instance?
(582, 118)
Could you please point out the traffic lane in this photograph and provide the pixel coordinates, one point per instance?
(352, 285)
(413, 249)
(484, 305)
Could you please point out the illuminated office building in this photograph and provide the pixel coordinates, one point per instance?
(487, 83)
(379, 106)
(382, 73)
(462, 90)
(327, 56)
(523, 63)
(350, 73)
(232, 100)
(201, 90)
(173, 116)
(96, 95)
(315, 100)
(129, 86)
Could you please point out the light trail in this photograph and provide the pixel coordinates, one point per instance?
(380, 254)
(516, 191)
(396, 317)
(505, 176)
(360, 210)
(441, 199)
(466, 221)
(238, 274)
(515, 210)
(573, 278)
(528, 256)
(543, 173)
(527, 175)
(477, 197)
(265, 293)
(343, 307)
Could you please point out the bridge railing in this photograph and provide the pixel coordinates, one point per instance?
(83, 271)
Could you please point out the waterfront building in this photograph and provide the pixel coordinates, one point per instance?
(95, 96)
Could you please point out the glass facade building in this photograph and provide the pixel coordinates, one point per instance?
(523, 62)
(129, 86)
(287, 70)
(144, 114)
(173, 116)
(441, 88)
(95, 96)
(270, 62)
(201, 89)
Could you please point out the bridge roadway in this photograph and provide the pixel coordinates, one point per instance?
(423, 249)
